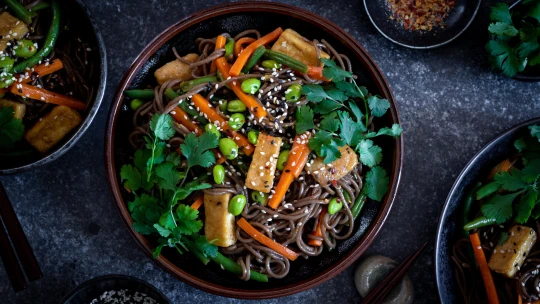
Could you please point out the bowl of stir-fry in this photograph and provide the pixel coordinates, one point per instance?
(254, 150)
(52, 80)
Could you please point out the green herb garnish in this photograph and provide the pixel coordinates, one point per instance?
(11, 128)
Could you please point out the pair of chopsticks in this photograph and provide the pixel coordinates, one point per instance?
(18, 249)
(379, 293)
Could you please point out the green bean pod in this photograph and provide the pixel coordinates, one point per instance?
(188, 85)
(255, 57)
(487, 190)
(171, 94)
(231, 266)
(466, 207)
(141, 94)
(358, 205)
(196, 252)
(286, 60)
(20, 11)
(479, 222)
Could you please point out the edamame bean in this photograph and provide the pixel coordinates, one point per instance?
(236, 106)
(270, 64)
(260, 197)
(293, 92)
(253, 135)
(282, 159)
(211, 128)
(335, 205)
(228, 148)
(237, 204)
(223, 105)
(25, 49)
(236, 121)
(6, 63)
(251, 85)
(219, 174)
(136, 103)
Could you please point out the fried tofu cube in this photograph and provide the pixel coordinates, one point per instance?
(219, 225)
(296, 46)
(176, 69)
(260, 176)
(509, 257)
(325, 174)
(11, 28)
(52, 127)
(18, 108)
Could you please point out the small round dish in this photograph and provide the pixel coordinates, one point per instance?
(486, 158)
(80, 17)
(457, 22)
(235, 18)
(94, 288)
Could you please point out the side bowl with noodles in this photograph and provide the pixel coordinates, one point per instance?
(345, 236)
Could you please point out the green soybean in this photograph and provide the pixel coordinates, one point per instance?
(334, 206)
(293, 92)
(236, 121)
(236, 106)
(251, 85)
(6, 63)
(270, 64)
(223, 105)
(136, 103)
(260, 197)
(253, 135)
(282, 159)
(25, 49)
(228, 148)
(211, 128)
(237, 204)
(219, 174)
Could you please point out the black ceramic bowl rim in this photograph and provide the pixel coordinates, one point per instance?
(466, 170)
(89, 115)
(112, 277)
(422, 47)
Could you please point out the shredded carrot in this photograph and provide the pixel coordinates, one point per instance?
(257, 109)
(317, 230)
(4, 91)
(520, 299)
(316, 72)
(46, 69)
(198, 202)
(298, 157)
(220, 43)
(205, 107)
(36, 93)
(263, 239)
(238, 44)
(503, 166)
(489, 284)
(246, 53)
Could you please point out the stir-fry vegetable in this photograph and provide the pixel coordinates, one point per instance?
(198, 202)
(20, 11)
(141, 94)
(484, 269)
(317, 230)
(238, 45)
(248, 51)
(36, 93)
(263, 239)
(220, 43)
(259, 52)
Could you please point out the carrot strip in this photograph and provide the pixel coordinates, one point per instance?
(36, 93)
(238, 44)
(246, 53)
(198, 202)
(315, 72)
(317, 231)
(45, 69)
(220, 43)
(491, 290)
(257, 109)
(298, 157)
(263, 239)
(4, 91)
(204, 106)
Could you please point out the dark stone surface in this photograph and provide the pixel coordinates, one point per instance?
(451, 105)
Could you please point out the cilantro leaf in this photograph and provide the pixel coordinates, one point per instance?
(503, 29)
(314, 92)
(132, 177)
(504, 237)
(395, 131)
(351, 131)
(499, 207)
(527, 48)
(505, 57)
(11, 128)
(351, 89)
(187, 220)
(161, 125)
(191, 187)
(162, 231)
(326, 106)
(378, 106)
(197, 149)
(358, 114)
(510, 181)
(370, 154)
(532, 8)
(333, 72)
(168, 176)
(304, 119)
(500, 12)
(336, 95)
(535, 131)
(325, 145)
(330, 123)
(377, 182)
(531, 171)
(143, 228)
(526, 205)
(207, 248)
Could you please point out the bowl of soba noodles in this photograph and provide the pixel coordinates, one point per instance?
(486, 249)
(52, 80)
(254, 150)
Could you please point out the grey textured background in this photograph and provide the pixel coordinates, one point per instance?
(451, 105)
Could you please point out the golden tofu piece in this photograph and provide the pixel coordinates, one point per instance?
(296, 46)
(18, 108)
(509, 257)
(219, 225)
(11, 28)
(324, 174)
(176, 69)
(52, 127)
(260, 176)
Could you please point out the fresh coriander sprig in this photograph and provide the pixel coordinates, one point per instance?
(11, 128)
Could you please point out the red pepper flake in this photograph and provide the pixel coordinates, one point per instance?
(420, 15)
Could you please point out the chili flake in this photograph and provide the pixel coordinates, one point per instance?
(421, 15)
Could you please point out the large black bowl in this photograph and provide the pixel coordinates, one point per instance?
(79, 18)
(447, 232)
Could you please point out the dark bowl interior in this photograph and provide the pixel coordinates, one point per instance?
(233, 19)
(459, 18)
(79, 18)
(447, 233)
(94, 288)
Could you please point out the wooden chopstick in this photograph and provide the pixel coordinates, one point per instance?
(18, 238)
(380, 292)
(13, 269)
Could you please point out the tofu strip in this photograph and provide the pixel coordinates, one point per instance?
(260, 176)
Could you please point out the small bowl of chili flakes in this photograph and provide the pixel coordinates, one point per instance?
(421, 24)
